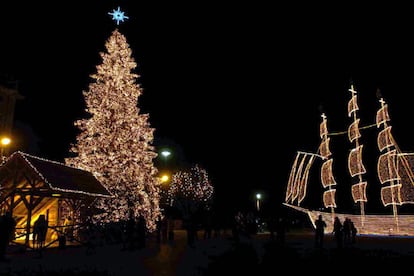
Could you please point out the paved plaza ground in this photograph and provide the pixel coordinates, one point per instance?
(257, 254)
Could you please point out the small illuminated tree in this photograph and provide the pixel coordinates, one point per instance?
(190, 191)
(115, 142)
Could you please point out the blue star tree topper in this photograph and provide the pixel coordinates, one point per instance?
(118, 15)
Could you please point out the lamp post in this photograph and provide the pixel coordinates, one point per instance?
(165, 182)
(258, 197)
(164, 155)
(166, 230)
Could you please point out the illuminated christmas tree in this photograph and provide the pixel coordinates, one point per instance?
(190, 191)
(115, 141)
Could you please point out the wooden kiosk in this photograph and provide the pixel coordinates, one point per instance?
(31, 186)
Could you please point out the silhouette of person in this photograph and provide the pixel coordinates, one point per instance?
(347, 231)
(280, 231)
(320, 226)
(68, 226)
(39, 232)
(161, 229)
(90, 232)
(7, 231)
(170, 227)
(354, 231)
(338, 232)
(208, 224)
(191, 228)
(142, 230)
(239, 225)
(272, 225)
(131, 235)
(216, 225)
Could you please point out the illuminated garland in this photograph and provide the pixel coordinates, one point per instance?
(45, 180)
(334, 133)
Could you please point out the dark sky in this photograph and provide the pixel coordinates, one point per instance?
(237, 87)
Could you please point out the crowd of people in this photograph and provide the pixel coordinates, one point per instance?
(344, 232)
(132, 233)
(246, 224)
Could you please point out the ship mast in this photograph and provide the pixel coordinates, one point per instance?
(387, 163)
(355, 166)
(327, 179)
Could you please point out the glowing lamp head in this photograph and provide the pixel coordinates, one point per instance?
(258, 196)
(164, 178)
(165, 153)
(5, 141)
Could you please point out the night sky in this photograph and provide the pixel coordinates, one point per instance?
(236, 87)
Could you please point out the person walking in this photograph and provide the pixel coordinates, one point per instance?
(39, 232)
(68, 228)
(338, 232)
(320, 226)
(7, 232)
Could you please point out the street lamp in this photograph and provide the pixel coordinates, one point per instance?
(4, 141)
(258, 197)
(165, 178)
(166, 153)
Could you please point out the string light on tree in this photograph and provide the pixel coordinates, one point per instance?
(193, 184)
(190, 190)
(115, 141)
